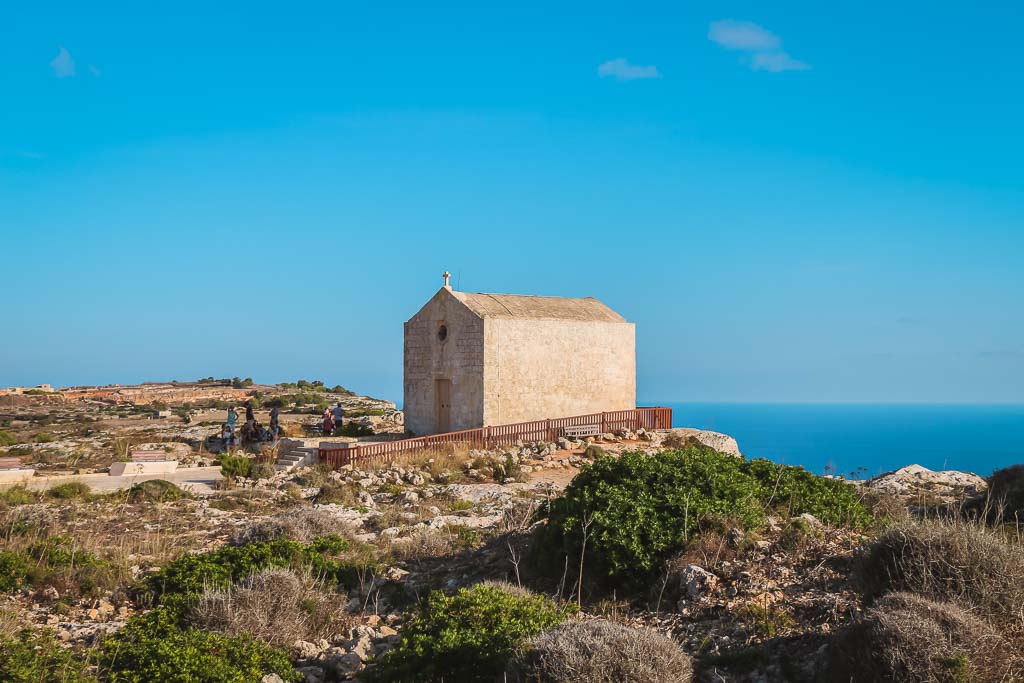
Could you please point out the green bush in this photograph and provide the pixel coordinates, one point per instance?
(17, 495)
(44, 437)
(72, 490)
(56, 561)
(14, 568)
(155, 647)
(234, 466)
(6, 439)
(1006, 488)
(468, 636)
(795, 491)
(353, 429)
(155, 491)
(638, 509)
(33, 656)
(181, 581)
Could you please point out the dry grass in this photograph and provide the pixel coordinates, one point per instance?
(274, 605)
(87, 548)
(951, 560)
(338, 493)
(907, 638)
(300, 525)
(439, 462)
(677, 441)
(37, 521)
(599, 651)
(423, 545)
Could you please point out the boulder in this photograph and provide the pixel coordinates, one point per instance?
(696, 583)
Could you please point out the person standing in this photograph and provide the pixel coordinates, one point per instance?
(339, 415)
(328, 428)
(275, 416)
(250, 416)
(232, 418)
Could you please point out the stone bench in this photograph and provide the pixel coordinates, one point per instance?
(145, 462)
(577, 431)
(149, 456)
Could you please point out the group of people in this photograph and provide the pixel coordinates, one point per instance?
(252, 431)
(332, 419)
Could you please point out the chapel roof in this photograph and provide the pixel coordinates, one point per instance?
(519, 307)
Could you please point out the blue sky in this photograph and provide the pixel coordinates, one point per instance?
(796, 202)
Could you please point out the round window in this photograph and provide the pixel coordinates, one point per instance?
(442, 333)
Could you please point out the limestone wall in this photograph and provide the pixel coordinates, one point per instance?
(536, 369)
(458, 358)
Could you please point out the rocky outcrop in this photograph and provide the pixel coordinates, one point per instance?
(720, 442)
(915, 480)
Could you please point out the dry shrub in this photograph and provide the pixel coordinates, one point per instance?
(884, 505)
(422, 545)
(299, 525)
(449, 460)
(1006, 489)
(510, 588)
(906, 638)
(951, 560)
(677, 441)
(276, 606)
(262, 470)
(599, 651)
(29, 520)
(338, 493)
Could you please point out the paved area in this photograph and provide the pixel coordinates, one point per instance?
(198, 480)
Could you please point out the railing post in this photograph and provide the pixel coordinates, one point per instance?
(603, 422)
(547, 430)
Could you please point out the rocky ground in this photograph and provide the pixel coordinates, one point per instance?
(450, 519)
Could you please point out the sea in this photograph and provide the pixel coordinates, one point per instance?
(864, 440)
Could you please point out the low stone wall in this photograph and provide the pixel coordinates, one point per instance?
(16, 476)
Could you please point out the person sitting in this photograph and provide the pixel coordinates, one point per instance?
(227, 436)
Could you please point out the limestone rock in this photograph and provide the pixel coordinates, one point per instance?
(696, 582)
(720, 442)
(915, 478)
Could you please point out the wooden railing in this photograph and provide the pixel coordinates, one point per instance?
(499, 435)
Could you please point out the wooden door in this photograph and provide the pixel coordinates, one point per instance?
(443, 404)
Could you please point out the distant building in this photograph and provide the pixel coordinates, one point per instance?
(489, 359)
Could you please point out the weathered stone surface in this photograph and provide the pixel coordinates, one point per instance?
(696, 582)
(915, 478)
(720, 442)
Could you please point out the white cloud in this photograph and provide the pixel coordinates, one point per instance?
(622, 70)
(777, 61)
(762, 49)
(742, 35)
(63, 65)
